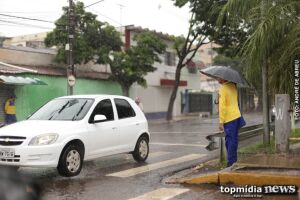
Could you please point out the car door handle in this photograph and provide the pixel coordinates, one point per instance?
(114, 128)
(137, 124)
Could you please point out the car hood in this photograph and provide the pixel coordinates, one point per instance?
(30, 128)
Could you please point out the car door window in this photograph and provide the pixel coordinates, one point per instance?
(104, 107)
(124, 109)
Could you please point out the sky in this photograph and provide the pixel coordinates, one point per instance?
(159, 15)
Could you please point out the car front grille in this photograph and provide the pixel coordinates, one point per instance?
(11, 140)
(16, 158)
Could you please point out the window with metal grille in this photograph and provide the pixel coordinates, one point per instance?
(170, 59)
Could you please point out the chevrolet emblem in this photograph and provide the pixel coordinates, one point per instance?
(6, 139)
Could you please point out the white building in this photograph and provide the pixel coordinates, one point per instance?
(160, 83)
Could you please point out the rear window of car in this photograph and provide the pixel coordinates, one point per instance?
(68, 109)
(124, 109)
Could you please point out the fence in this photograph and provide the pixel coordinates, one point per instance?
(217, 139)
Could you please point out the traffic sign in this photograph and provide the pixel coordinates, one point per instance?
(71, 80)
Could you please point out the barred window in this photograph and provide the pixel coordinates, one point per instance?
(170, 58)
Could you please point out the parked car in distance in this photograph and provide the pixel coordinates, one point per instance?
(69, 130)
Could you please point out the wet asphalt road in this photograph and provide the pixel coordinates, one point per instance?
(173, 147)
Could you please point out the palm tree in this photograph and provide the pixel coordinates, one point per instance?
(274, 38)
(272, 45)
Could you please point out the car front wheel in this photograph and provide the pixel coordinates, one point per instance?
(141, 151)
(70, 162)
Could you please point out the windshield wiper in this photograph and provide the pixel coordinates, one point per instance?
(62, 108)
(81, 108)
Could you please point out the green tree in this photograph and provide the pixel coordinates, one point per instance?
(186, 48)
(202, 28)
(273, 38)
(267, 50)
(92, 37)
(101, 43)
(131, 65)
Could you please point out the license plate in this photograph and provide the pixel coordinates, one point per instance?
(7, 153)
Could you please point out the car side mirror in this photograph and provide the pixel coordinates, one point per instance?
(99, 118)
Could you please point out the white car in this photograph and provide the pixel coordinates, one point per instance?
(69, 130)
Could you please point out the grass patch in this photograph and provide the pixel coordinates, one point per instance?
(295, 133)
(295, 136)
(222, 164)
(259, 148)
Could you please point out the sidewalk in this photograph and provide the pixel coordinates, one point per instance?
(251, 115)
(178, 118)
(256, 170)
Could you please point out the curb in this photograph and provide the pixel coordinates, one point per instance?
(238, 178)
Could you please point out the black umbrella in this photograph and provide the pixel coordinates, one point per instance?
(226, 73)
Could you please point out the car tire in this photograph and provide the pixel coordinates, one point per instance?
(141, 151)
(71, 160)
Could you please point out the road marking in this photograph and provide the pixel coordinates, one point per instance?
(161, 194)
(151, 155)
(147, 168)
(177, 144)
(176, 132)
(157, 154)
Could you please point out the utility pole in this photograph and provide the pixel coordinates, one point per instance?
(70, 69)
(265, 99)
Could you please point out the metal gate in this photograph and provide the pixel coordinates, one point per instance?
(200, 102)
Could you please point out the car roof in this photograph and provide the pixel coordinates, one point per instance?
(94, 96)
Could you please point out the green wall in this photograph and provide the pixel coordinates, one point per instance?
(31, 97)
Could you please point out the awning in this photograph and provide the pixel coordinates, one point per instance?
(18, 80)
(169, 82)
(13, 69)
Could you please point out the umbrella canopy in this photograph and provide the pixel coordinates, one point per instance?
(225, 73)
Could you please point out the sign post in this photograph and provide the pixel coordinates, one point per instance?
(282, 123)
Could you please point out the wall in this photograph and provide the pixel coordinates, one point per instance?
(155, 100)
(22, 39)
(26, 56)
(31, 97)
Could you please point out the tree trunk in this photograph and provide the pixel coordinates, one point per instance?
(174, 93)
(125, 90)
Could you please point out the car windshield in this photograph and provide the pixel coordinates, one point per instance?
(63, 109)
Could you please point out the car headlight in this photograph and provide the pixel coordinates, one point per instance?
(44, 139)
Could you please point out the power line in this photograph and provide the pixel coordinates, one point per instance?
(115, 21)
(41, 20)
(32, 19)
(29, 12)
(93, 3)
(27, 18)
(23, 24)
(88, 6)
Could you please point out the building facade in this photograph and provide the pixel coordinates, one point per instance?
(192, 97)
(25, 62)
(156, 95)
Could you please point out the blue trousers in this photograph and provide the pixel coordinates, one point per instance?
(231, 130)
(10, 119)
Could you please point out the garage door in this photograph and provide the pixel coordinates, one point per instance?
(199, 102)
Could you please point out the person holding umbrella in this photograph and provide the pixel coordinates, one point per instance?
(230, 117)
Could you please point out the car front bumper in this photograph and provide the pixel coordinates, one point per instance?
(33, 156)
